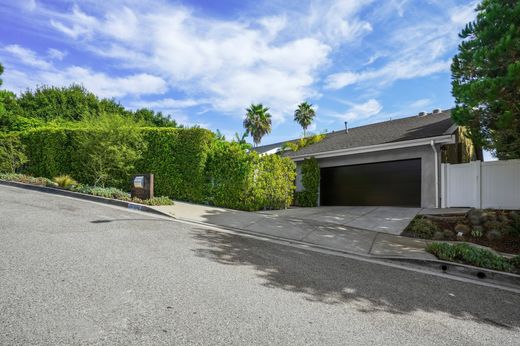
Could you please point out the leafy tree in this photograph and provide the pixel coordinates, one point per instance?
(12, 154)
(486, 78)
(67, 103)
(152, 118)
(257, 122)
(303, 115)
(1, 71)
(112, 145)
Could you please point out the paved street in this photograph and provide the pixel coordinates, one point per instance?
(76, 272)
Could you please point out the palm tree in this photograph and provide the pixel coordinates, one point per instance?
(257, 122)
(303, 115)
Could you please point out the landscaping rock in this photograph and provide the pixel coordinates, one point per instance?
(462, 228)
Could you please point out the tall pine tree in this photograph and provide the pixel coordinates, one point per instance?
(486, 78)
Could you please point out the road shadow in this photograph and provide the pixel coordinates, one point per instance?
(370, 288)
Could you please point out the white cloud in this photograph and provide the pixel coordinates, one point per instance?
(360, 111)
(56, 54)
(168, 103)
(27, 56)
(420, 103)
(43, 72)
(416, 50)
(80, 23)
(230, 63)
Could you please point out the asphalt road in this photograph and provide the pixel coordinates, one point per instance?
(76, 272)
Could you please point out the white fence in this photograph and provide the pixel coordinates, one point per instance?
(494, 184)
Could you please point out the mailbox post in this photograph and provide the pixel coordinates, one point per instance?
(142, 186)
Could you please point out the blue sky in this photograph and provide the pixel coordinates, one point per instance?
(205, 61)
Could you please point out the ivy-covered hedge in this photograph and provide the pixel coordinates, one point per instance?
(244, 180)
(188, 164)
(310, 172)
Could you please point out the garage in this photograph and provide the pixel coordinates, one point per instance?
(390, 183)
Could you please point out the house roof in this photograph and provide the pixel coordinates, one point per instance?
(398, 130)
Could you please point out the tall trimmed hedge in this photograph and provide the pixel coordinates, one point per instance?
(188, 164)
(177, 158)
(311, 183)
(245, 180)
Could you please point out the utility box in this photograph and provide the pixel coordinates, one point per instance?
(142, 186)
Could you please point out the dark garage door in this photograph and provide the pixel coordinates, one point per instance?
(392, 183)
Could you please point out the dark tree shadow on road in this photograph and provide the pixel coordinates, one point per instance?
(369, 287)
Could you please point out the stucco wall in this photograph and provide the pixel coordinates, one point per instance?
(425, 153)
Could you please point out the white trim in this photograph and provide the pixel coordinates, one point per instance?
(445, 139)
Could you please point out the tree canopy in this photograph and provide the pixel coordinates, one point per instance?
(257, 122)
(486, 78)
(67, 106)
(304, 115)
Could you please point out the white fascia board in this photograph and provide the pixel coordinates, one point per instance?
(445, 139)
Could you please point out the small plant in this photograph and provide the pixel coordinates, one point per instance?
(477, 232)
(423, 228)
(467, 254)
(65, 181)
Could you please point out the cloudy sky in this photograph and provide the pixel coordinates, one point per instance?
(205, 61)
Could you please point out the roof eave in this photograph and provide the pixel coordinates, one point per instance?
(444, 139)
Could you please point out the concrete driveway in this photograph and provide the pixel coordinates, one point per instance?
(392, 220)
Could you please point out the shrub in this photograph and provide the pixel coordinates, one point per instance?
(109, 150)
(64, 181)
(162, 200)
(272, 184)
(177, 158)
(477, 232)
(423, 228)
(26, 179)
(514, 227)
(310, 172)
(236, 178)
(467, 254)
(12, 154)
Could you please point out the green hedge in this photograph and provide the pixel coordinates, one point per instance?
(177, 158)
(188, 164)
(244, 180)
(310, 171)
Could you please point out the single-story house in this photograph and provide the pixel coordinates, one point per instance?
(390, 163)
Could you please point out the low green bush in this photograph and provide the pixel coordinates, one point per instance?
(467, 254)
(26, 179)
(421, 227)
(115, 193)
(310, 172)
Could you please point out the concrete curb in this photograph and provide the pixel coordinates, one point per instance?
(449, 268)
(67, 193)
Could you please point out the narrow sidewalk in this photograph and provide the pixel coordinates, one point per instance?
(327, 235)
